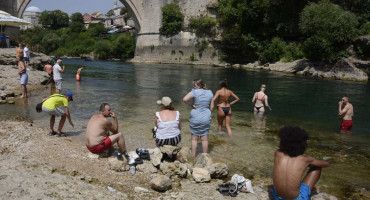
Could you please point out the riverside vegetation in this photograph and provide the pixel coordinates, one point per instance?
(250, 30)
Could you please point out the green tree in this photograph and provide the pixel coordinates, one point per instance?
(329, 30)
(124, 46)
(77, 23)
(102, 49)
(172, 20)
(110, 13)
(50, 42)
(123, 11)
(96, 30)
(274, 51)
(54, 20)
(360, 7)
(203, 26)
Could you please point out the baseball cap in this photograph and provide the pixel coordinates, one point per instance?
(69, 94)
(166, 101)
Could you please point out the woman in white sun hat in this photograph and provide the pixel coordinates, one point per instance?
(168, 124)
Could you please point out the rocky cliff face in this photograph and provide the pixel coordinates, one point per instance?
(345, 69)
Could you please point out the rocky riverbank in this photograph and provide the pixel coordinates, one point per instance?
(37, 166)
(9, 78)
(349, 69)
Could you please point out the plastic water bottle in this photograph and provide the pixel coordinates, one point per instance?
(132, 169)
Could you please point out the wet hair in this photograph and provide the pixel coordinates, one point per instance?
(263, 87)
(102, 106)
(223, 83)
(39, 107)
(169, 107)
(345, 96)
(293, 140)
(199, 82)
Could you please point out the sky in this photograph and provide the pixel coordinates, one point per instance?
(72, 6)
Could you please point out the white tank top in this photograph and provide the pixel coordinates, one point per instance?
(167, 129)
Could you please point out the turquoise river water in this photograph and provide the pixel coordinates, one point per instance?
(132, 90)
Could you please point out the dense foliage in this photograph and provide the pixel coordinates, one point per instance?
(172, 20)
(75, 40)
(329, 30)
(273, 30)
(203, 26)
(54, 20)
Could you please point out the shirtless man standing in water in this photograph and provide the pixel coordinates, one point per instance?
(347, 111)
(98, 138)
(290, 163)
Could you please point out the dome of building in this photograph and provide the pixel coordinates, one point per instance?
(33, 9)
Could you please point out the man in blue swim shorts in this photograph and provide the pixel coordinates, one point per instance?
(290, 164)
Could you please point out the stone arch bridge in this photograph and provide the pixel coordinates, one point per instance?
(147, 15)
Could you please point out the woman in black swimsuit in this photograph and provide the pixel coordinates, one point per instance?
(224, 109)
(259, 98)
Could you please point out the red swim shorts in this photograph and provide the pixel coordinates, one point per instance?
(104, 145)
(346, 125)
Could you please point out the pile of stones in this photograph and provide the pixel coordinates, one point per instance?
(170, 163)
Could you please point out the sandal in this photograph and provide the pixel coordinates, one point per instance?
(61, 134)
(52, 133)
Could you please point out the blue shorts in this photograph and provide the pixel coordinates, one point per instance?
(26, 59)
(304, 193)
(24, 78)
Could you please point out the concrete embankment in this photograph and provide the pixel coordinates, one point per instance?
(9, 78)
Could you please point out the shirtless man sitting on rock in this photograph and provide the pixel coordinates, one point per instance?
(347, 113)
(290, 164)
(98, 138)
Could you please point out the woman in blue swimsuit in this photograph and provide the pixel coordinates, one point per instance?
(224, 107)
(200, 115)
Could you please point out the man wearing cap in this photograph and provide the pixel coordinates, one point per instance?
(57, 69)
(52, 106)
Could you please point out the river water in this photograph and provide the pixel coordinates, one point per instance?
(132, 90)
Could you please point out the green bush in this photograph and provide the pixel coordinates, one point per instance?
(50, 42)
(102, 49)
(172, 20)
(329, 30)
(293, 51)
(123, 47)
(365, 29)
(201, 46)
(274, 51)
(203, 26)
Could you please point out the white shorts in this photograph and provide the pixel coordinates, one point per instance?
(58, 84)
(56, 112)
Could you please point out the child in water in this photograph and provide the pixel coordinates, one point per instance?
(290, 164)
(78, 76)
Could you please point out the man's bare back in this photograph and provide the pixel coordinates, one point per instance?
(97, 129)
(288, 172)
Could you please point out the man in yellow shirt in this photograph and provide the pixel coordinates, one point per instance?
(52, 106)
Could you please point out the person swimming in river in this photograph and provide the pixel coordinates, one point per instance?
(78, 76)
(223, 106)
(290, 163)
(259, 99)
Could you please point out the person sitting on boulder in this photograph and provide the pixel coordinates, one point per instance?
(290, 164)
(168, 124)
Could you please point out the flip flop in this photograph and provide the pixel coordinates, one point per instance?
(52, 133)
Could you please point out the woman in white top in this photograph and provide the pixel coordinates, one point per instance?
(168, 124)
(258, 99)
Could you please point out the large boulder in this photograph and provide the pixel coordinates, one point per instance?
(201, 175)
(218, 170)
(155, 156)
(184, 155)
(116, 165)
(147, 167)
(161, 183)
(174, 168)
(203, 160)
(170, 150)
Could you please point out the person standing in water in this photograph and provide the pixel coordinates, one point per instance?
(258, 99)
(224, 107)
(347, 113)
(78, 76)
(200, 115)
